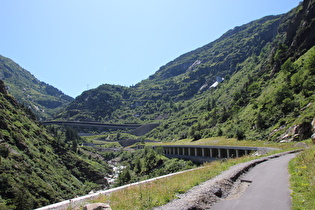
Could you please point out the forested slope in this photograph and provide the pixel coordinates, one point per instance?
(37, 169)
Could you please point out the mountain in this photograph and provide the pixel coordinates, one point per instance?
(197, 70)
(37, 168)
(95, 104)
(184, 77)
(43, 99)
(254, 82)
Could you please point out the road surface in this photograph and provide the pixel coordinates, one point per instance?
(266, 187)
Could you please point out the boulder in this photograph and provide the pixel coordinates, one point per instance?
(97, 206)
(297, 133)
(304, 130)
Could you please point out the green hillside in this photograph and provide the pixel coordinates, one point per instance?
(255, 82)
(37, 169)
(179, 80)
(267, 91)
(43, 99)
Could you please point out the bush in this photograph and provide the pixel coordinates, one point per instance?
(239, 134)
(4, 151)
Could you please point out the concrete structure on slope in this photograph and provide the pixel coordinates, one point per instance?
(199, 153)
(136, 129)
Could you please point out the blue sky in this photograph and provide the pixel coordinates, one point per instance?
(77, 45)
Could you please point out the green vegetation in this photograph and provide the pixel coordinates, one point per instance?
(159, 192)
(267, 96)
(43, 99)
(109, 96)
(162, 191)
(180, 80)
(268, 87)
(148, 163)
(302, 179)
(37, 169)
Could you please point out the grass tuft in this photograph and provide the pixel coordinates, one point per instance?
(303, 179)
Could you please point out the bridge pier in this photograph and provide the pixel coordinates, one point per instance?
(219, 153)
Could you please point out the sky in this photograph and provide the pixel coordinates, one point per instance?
(76, 45)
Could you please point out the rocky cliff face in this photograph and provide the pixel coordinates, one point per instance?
(300, 35)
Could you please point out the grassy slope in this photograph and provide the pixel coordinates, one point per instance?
(302, 180)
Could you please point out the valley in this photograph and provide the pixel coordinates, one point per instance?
(251, 88)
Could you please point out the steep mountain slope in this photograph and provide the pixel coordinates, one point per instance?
(43, 99)
(97, 103)
(267, 87)
(35, 168)
(187, 75)
(197, 70)
(270, 96)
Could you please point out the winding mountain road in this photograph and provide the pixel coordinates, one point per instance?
(268, 188)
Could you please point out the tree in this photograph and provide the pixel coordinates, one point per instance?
(310, 64)
(159, 150)
(240, 134)
(282, 93)
(197, 135)
(124, 177)
(73, 137)
(219, 132)
(260, 124)
(137, 166)
(289, 66)
(225, 115)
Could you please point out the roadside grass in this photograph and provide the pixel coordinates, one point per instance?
(302, 179)
(162, 191)
(214, 141)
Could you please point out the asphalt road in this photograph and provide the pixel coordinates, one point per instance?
(267, 188)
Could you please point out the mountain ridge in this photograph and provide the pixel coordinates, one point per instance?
(267, 93)
(259, 51)
(43, 99)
